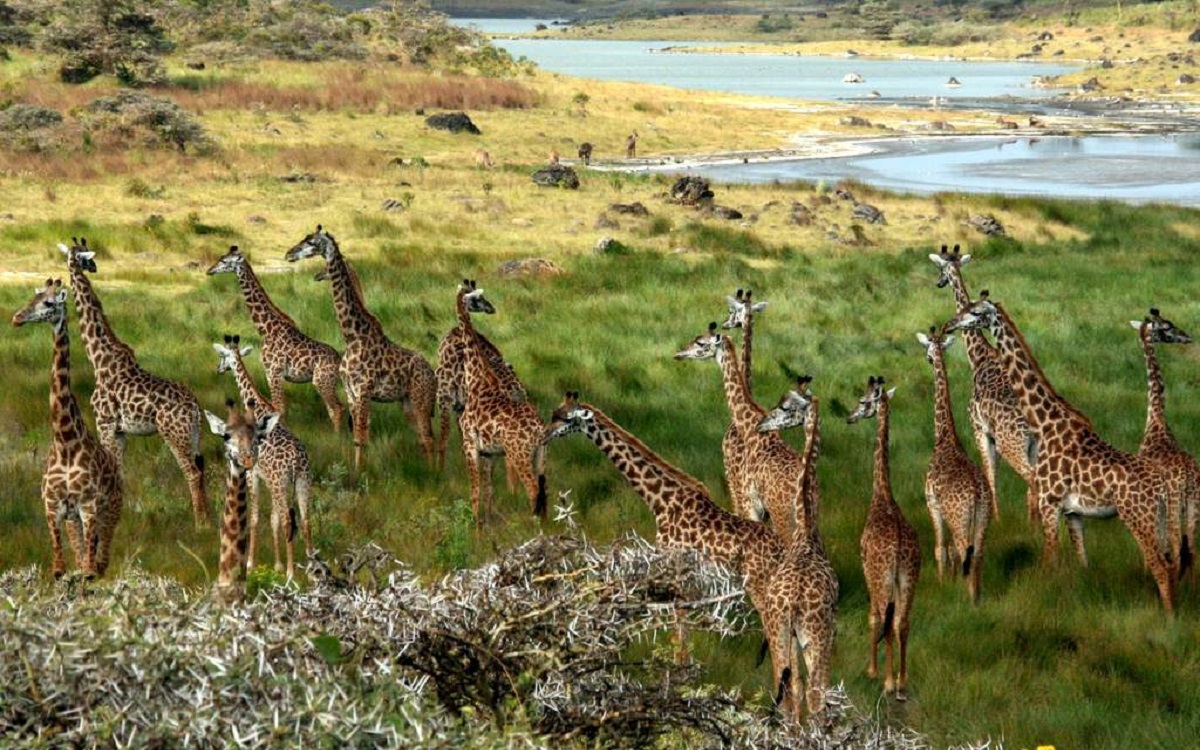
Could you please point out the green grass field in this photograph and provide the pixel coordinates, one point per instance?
(1053, 654)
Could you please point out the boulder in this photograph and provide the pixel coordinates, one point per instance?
(855, 121)
(529, 267)
(725, 212)
(691, 191)
(608, 246)
(455, 122)
(986, 224)
(800, 216)
(868, 213)
(1185, 78)
(607, 222)
(632, 209)
(556, 175)
(1194, 37)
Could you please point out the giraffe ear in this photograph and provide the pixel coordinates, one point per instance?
(923, 339)
(267, 423)
(584, 414)
(215, 424)
(946, 342)
(759, 306)
(891, 393)
(61, 297)
(64, 249)
(1136, 325)
(219, 349)
(964, 260)
(731, 303)
(246, 350)
(939, 260)
(87, 255)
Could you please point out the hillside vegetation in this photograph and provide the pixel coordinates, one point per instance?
(1052, 653)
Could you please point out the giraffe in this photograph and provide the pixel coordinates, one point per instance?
(685, 516)
(890, 553)
(128, 400)
(373, 367)
(243, 434)
(81, 484)
(741, 315)
(494, 423)
(956, 491)
(287, 354)
(771, 466)
(805, 578)
(451, 385)
(1077, 474)
(1159, 443)
(999, 425)
(282, 462)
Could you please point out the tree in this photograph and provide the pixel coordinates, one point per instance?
(107, 37)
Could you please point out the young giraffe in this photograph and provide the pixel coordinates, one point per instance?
(956, 491)
(1077, 474)
(287, 354)
(451, 380)
(373, 367)
(772, 468)
(493, 423)
(890, 553)
(999, 425)
(685, 516)
(282, 462)
(741, 315)
(243, 434)
(127, 399)
(805, 579)
(1159, 444)
(81, 484)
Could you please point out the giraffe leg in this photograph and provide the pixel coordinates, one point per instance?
(818, 660)
(939, 532)
(875, 628)
(471, 456)
(303, 503)
(1031, 504)
(275, 381)
(255, 480)
(325, 380)
(86, 527)
(775, 630)
(360, 413)
(60, 564)
(111, 511)
(1075, 531)
(1048, 512)
(279, 518)
(902, 635)
(489, 492)
(423, 414)
(1145, 532)
(889, 674)
(986, 443)
(180, 428)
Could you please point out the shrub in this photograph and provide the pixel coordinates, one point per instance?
(111, 37)
(131, 112)
(27, 127)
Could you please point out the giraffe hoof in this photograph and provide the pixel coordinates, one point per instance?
(58, 574)
(901, 695)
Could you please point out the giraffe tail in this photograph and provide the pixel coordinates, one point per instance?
(539, 467)
(198, 461)
(967, 558)
(888, 618)
(291, 535)
(762, 652)
(1186, 557)
(784, 680)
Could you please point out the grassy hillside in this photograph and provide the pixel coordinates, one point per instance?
(1052, 654)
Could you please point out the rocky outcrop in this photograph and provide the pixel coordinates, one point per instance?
(986, 224)
(529, 267)
(455, 122)
(631, 209)
(691, 191)
(556, 175)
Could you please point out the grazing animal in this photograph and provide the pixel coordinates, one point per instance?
(282, 462)
(554, 157)
(287, 354)
(741, 315)
(771, 468)
(585, 153)
(452, 358)
(955, 489)
(631, 145)
(891, 556)
(81, 484)
(243, 434)
(805, 579)
(373, 367)
(1078, 474)
(1159, 443)
(127, 399)
(483, 160)
(1007, 124)
(494, 423)
(997, 421)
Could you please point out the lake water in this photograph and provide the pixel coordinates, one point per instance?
(1142, 168)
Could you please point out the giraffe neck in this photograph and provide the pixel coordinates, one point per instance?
(355, 320)
(105, 351)
(263, 311)
(652, 477)
(1157, 430)
(65, 416)
(1040, 403)
(462, 313)
(810, 498)
(979, 351)
(246, 388)
(883, 475)
(746, 413)
(747, 343)
(943, 411)
(234, 530)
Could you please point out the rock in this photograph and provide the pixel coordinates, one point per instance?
(725, 212)
(1194, 37)
(632, 209)
(800, 216)
(256, 219)
(529, 267)
(986, 224)
(1106, 64)
(556, 175)
(1090, 85)
(196, 64)
(455, 122)
(855, 121)
(843, 192)
(302, 177)
(604, 221)
(391, 205)
(691, 191)
(608, 246)
(521, 222)
(1045, 36)
(868, 213)
(6, 216)
(1185, 78)
(952, 81)
(937, 125)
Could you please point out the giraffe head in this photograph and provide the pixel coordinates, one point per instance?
(569, 417)
(981, 315)
(792, 409)
(741, 308)
(229, 353)
(868, 405)
(242, 433)
(935, 343)
(230, 262)
(949, 264)
(49, 305)
(704, 346)
(1162, 331)
(78, 254)
(473, 298)
(315, 243)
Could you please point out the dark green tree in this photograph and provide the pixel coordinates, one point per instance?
(107, 37)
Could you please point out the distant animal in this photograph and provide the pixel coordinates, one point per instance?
(953, 82)
(631, 145)
(483, 159)
(585, 153)
(554, 156)
(1007, 124)
(1035, 121)
(853, 78)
